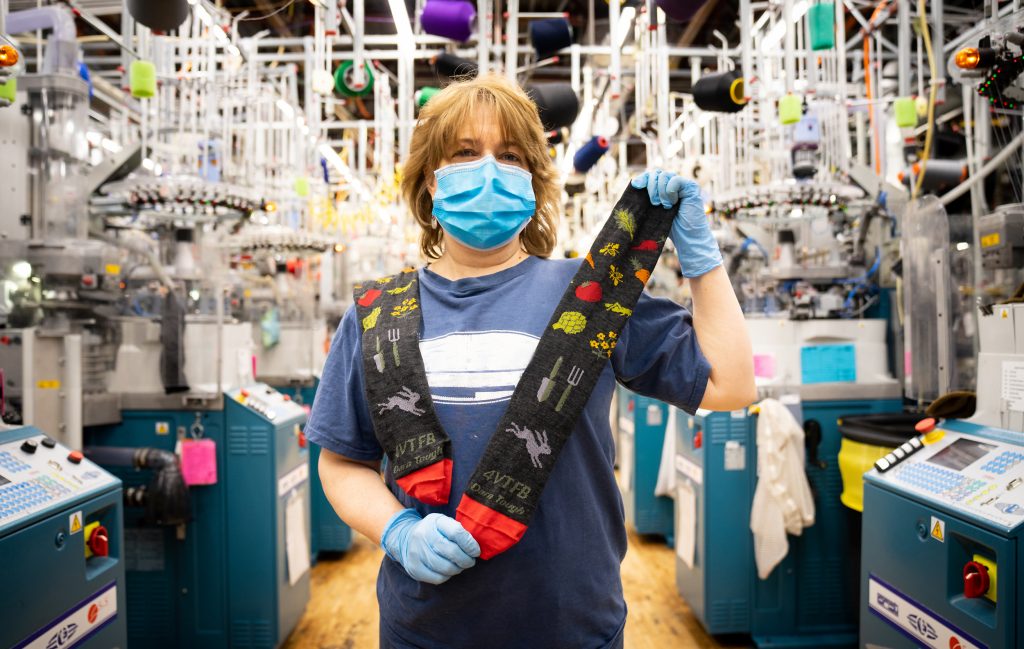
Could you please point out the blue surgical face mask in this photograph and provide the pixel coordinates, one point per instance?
(483, 204)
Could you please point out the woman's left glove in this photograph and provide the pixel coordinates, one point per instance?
(696, 246)
(431, 549)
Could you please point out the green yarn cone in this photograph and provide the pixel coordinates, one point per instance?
(302, 186)
(342, 80)
(424, 94)
(790, 109)
(905, 112)
(821, 20)
(9, 89)
(142, 79)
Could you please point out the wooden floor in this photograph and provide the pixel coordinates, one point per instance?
(342, 613)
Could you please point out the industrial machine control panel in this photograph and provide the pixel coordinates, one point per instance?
(38, 474)
(980, 477)
(265, 400)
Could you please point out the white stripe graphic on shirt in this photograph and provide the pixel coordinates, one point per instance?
(476, 367)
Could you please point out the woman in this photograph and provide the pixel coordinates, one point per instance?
(483, 189)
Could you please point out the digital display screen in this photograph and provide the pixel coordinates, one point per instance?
(961, 454)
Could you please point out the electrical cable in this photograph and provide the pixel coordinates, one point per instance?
(933, 92)
(272, 13)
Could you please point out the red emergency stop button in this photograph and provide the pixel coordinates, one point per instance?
(976, 580)
(302, 440)
(99, 541)
(75, 457)
(698, 439)
(925, 426)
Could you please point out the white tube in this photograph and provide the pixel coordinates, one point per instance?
(483, 36)
(615, 69)
(72, 391)
(512, 39)
(358, 73)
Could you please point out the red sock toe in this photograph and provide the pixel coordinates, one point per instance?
(429, 485)
(494, 531)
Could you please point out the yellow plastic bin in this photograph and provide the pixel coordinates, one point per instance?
(866, 438)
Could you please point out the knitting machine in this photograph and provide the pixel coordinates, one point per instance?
(943, 515)
(236, 573)
(825, 370)
(61, 539)
(642, 424)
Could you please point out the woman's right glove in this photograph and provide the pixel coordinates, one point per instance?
(431, 549)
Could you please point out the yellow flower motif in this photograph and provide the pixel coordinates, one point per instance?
(604, 345)
(613, 335)
(600, 336)
(405, 308)
(610, 249)
(614, 275)
(593, 343)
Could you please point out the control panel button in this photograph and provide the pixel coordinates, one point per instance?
(976, 580)
(882, 465)
(48, 442)
(75, 457)
(99, 541)
(916, 443)
(29, 446)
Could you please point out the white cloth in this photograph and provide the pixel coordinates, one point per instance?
(782, 500)
(666, 484)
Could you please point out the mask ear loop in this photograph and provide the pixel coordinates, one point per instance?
(433, 223)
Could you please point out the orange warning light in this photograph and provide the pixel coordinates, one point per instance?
(968, 58)
(8, 56)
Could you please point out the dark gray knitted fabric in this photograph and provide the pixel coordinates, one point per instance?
(396, 386)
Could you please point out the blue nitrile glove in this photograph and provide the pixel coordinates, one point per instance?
(696, 246)
(431, 549)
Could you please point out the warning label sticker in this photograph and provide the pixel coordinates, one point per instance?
(75, 522)
(938, 529)
(1013, 385)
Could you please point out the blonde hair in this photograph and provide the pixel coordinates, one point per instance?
(439, 126)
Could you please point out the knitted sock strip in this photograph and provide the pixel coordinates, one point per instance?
(397, 392)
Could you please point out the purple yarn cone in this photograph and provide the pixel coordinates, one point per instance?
(448, 18)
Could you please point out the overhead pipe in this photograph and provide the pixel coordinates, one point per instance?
(61, 46)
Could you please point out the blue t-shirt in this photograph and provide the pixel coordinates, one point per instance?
(560, 585)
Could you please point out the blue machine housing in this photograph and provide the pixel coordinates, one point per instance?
(329, 534)
(57, 596)
(223, 580)
(642, 424)
(912, 583)
(809, 600)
